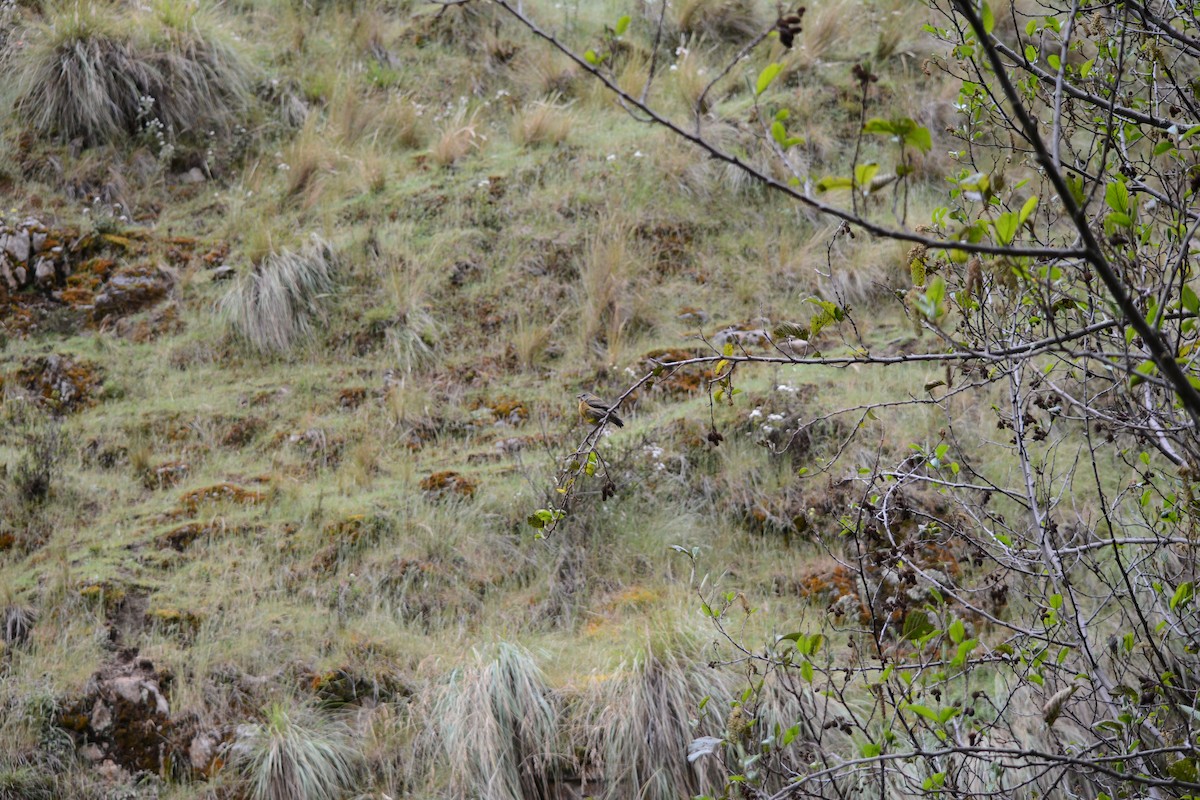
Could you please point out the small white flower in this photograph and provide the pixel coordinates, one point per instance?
(674, 68)
(775, 417)
(756, 413)
(638, 154)
(767, 429)
(611, 157)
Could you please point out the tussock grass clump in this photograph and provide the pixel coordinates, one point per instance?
(497, 726)
(275, 306)
(546, 122)
(719, 21)
(295, 753)
(458, 137)
(101, 76)
(635, 725)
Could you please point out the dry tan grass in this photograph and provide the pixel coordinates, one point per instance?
(605, 282)
(457, 138)
(542, 72)
(717, 21)
(546, 122)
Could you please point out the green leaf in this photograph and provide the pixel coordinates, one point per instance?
(1188, 299)
(1027, 209)
(622, 25)
(789, 735)
(957, 631)
(916, 625)
(790, 330)
(778, 132)
(806, 671)
(923, 711)
(590, 57)
(920, 138)
(830, 183)
(865, 173)
(1006, 227)
(878, 125)
(769, 74)
(1116, 195)
(1183, 594)
(870, 750)
(1141, 372)
(987, 18)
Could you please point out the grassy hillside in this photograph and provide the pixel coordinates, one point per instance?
(310, 290)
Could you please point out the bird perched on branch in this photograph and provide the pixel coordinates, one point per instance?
(593, 410)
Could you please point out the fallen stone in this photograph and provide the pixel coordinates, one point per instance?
(223, 273)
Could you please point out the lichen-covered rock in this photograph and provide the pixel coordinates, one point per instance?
(60, 382)
(129, 290)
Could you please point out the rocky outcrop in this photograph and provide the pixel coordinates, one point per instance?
(123, 721)
(30, 254)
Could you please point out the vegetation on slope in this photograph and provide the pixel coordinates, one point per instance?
(295, 299)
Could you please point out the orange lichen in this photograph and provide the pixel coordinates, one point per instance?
(676, 381)
(191, 502)
(61, 382)
(635, 597)
(448, 481)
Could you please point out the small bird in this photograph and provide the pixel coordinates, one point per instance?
(593, 410)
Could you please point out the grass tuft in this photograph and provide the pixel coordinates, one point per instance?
(275, 307)
(546, 122)
(100, 77)
(636, 725)
(497, 726)
(295, 753)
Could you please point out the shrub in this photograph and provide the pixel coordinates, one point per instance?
(275, 307)
(99, 76)
(295, 754)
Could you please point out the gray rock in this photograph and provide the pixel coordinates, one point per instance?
(38, 240)
(223, 273)
(44, 271)
(101, 716)
(17, 246)
(91, 752)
